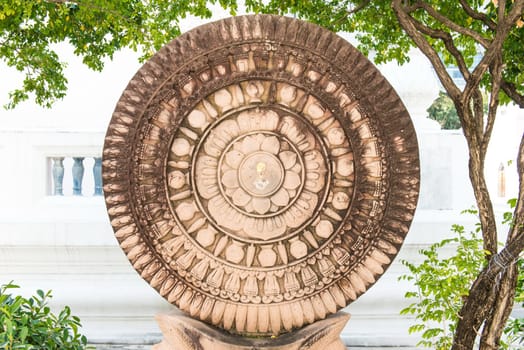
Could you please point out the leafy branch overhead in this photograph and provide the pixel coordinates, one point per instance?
(96, 29)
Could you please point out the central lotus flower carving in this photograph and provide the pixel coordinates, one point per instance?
(260, 175)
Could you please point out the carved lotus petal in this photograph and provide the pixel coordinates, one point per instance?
(197, 118)
(336, 136)
(206, 189)
(219, 139)
(294, 216)
(212, 148)
(288, 159)
(233, 158)
(314, 184)
(296, 168)
(324, 228)
(308, 143)
(344, 166)
(281, 198)
(206, 161)
(288, 93)
(223, 98)
(259, 139)
(244, 121)
(278, 228)
(269, 121)
(250, 226)
(249, 145)
(255, 89)
(249, 207)
(264, 228)
(291, 180)
(229, 128)
(230, 179)
(315, 110)
(261, 205)
(240, 197)
(181, 147)
(185, 211)
(232, 218)
(216, 206)
(249, 121)
(224, 214)
(288, 128)
(270, 144)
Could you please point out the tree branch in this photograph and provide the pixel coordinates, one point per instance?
(496, 78)
(477, 15)
(354, 10)
(448, 42)
(517, 228)
(477, 105)
(505, 24)
(449, 23)
(358, 7)
(511, 90)
(407, 23)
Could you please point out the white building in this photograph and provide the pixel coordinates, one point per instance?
(65, 243)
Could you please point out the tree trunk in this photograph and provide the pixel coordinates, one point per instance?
(491, 297)
(502, 306)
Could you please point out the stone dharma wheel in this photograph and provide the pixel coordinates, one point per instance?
(260, 173)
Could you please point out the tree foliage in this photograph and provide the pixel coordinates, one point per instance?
(96, 29)
(444, 112)
(442, 281)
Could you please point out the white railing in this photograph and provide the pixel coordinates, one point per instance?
(41, 164)
(77, 175)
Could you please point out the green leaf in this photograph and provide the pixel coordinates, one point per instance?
(24, 331)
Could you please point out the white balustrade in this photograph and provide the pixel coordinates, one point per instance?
(70, 171)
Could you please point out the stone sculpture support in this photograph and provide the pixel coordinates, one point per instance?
(185, 333)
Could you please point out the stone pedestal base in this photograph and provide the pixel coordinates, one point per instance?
(184, 333)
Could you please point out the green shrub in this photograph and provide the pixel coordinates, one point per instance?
(29, 324)
(441, 282)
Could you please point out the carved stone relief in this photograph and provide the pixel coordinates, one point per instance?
(260, 173)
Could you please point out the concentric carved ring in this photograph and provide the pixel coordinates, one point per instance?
(260, 173)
